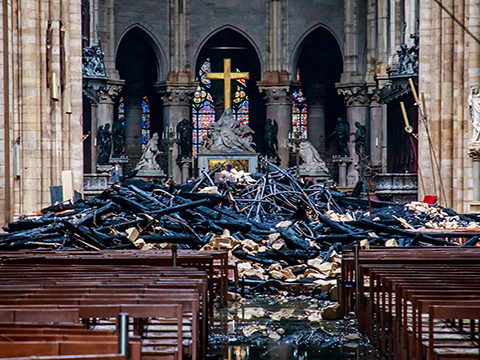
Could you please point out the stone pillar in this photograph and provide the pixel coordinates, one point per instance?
(185, 164)
(133, 124)
(357, 110)
(176, 107)
(376, 130)
(106, 105)
(342, 169)
(474, 153)
(351, 37)
(316, 116)
(279, 107)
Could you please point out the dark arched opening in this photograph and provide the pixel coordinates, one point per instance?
(319, 67)
(137, 64)
(229, 44)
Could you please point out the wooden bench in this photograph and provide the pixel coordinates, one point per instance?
(158, 291)
(396, 293)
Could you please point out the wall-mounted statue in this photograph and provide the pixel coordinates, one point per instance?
(341, 137)
(360, 140)
(474, 105)
(148, 161)
(104, 143)
(184, 131)
(270, 137)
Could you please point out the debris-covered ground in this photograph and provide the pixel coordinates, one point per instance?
(285, 236)
(285, 328)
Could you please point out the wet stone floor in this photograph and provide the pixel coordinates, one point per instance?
(284, 328)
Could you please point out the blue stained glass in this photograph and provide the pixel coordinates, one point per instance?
(242, 81)
(203, 108)
(206, 68)
(299, 114)
(121, 111)
(145, 123)
(241, 105)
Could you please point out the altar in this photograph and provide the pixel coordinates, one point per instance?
(238, 161)
(229, 142)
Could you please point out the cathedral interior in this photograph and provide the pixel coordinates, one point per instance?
(326, 106)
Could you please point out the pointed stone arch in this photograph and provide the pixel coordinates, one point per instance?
(138, 63)
(300, 43)
(319, 60)
(162, 64)
(237, 30)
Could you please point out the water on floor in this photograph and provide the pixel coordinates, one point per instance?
(284, 328)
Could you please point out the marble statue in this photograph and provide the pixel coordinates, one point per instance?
(104, 141)
(148, 160)
(184, 131)
(228, 136)
(474, 104)
(270, 137)
(360, 140)
(312, 162)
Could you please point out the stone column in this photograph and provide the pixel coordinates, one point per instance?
(316, 116)
(133, 124)
(105, 111)
(185, 164)
(376, 129)
(474, 153)
(279, 107)
(357, 110)
(176, 107)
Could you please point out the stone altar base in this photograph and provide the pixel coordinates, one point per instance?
(401, 188)
(94, 184)
(151, 175)
(247, 162)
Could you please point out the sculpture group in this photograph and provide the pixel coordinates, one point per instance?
(228, 135)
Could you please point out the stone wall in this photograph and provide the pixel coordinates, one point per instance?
(250, 18)
(48, 131)
(449, 65)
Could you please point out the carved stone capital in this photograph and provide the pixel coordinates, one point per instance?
(109, 93)
(354, 95)
(373, 94)
(474, 150)
(92, 89)
(176, 95)
(276, 95)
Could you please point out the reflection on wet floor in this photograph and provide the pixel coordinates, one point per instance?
(284, 328)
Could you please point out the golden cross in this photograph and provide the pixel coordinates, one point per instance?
(227, 77)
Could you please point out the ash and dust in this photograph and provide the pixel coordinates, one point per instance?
(284, 328)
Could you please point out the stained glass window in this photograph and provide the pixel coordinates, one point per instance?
(299, 114)
(121, 111)
(241, 105)
(145, 122)
(203, 108)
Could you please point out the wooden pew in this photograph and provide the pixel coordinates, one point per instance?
(397, 291)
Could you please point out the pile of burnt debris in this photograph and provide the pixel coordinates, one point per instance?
(278, 229)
